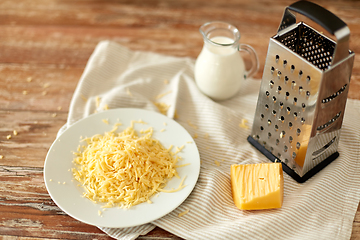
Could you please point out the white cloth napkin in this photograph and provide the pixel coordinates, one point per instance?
(321, 208)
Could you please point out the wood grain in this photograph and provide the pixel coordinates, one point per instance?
(50, 42)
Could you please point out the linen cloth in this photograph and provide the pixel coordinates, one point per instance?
(321, 208)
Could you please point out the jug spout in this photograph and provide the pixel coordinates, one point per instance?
(212, 31)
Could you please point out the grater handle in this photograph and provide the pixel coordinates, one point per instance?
(329, 21)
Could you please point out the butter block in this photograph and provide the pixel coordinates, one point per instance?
(257, 186)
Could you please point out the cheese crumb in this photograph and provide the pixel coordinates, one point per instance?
(8, 136)
(106, 107)
(59, 108)
(195, 135)
(99, 213)
(217, 163)
(165, 123)
(192, 125)
(46, 85)
(162, 95)
(44, 93)
(50, 180)
(184, 212)
(1, 156)
(243, 124)
(106, 121)
(206, 136)
(24, 92)
(15, 133)
(162, 107)
(83, 97)
(166, 81)
(53, 115)
(128, 92)
(176, 116)
(162, 130)
(29, 79)
(97, 101)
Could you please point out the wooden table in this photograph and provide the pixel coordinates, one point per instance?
(44, 46)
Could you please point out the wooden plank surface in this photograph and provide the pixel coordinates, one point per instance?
(44, 47)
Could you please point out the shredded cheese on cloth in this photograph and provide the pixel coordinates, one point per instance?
(124, 169)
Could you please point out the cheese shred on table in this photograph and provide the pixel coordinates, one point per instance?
(124, 169)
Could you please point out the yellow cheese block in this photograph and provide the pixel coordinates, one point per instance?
(257, 186)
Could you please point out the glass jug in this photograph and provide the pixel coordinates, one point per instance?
(219, 68)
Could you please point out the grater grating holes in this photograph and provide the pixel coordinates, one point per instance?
(330, 122)
(295, 100)
(310, 45)
(281, 104)
(285, 148)
(271, 83)
(302, 121)
(334, 95)
(286, 79)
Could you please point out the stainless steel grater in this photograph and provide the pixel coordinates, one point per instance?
(303, 92)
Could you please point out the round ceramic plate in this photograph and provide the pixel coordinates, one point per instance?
(67, 192)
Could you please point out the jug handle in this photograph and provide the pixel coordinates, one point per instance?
(253, 57)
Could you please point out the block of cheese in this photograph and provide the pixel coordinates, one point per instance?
(257, 186)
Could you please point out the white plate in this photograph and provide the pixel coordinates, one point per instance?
(68, 195)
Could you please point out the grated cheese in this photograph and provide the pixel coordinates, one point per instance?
(29, 79)
(128, 92)
(105, 121)
(24, 92)
(97, 101)
(192, 125)
(217, 163)
(1, 156)
(163, 107)
(83, 97)
(44, 93)
(8, 136)
(162, 95)
(243, 124)
(184, 212)
(176, 116)
(15, 133)
(124, 169)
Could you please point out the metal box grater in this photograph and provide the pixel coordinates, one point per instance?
(303, 92)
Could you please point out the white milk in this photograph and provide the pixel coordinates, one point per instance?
(219, 70)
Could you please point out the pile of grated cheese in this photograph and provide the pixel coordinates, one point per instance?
(124, 169)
